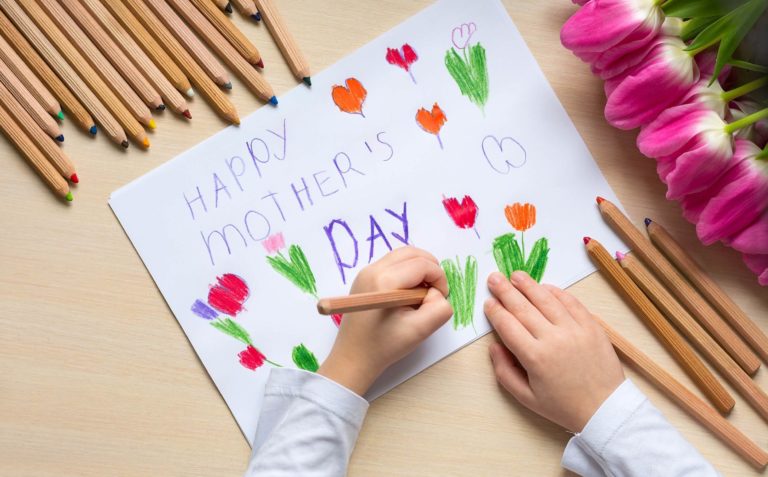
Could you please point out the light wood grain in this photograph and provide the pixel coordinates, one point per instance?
(246, 7)
(228, 29)
(222, 4)
(284, 38)
(29, 79)
(98, 378)
(15, 89)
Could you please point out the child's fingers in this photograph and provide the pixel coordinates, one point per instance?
(402, 254)
(517, 304)
(514, 335)
(510, 375)
(433, 312)
(549, 306)
(413, 272)
(578, 311)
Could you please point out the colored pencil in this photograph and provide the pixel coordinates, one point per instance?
(247, 7)
(244, 70)
(118, 14)
(664, 332)
(32, 154)
(100, 64)
(190, 42)
(202, 82)
(103, 25)
(223, 5)
(720, 427)
(30, 81)
(284, 39)
(130, 125)
(728, 309)
(229, 31)
(371, 301)
(679, 287)
(66, 73)
(45, 144)
(704, 343)
(15, 90)
(114, 54)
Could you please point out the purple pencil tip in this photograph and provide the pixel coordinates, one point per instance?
(60, 138)
(647, 221)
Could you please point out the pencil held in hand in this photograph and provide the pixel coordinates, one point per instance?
(371, 301)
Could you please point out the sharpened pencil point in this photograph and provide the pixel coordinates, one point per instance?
(228, 8)
(256, 16)
(187, 114)
(69, 197)
(125, 144)
(93, 130)
(152, 124)
(60, 115)
(307, 80)
(260, 63)
(145, 143)
(599, 199)
(647, 221)
(273, 100)
(228, 85)
(74, 178)
(190, 93)
(620, 256)
(586, 240)
(161, 107)
(60, 138)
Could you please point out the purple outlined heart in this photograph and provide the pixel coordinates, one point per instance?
(503, 154)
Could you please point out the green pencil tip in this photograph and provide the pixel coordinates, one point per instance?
(307, 80)
(60, 115)
(69, 197)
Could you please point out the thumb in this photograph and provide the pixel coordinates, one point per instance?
(511, 376)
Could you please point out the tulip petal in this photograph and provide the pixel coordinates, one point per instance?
(753, 239)
(697, 168)
(601, 24)
(671, 131)
(758, 263)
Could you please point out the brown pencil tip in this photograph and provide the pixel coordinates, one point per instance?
(599, 199)
(125, 144)
(586, 240)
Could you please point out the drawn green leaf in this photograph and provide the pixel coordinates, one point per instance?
(537, 260)
(305, 359)
(470, 72)
(295, 268)
(462, 288)
(228, 326)
(507, 253)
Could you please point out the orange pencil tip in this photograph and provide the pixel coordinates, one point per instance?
(599, 199)
(586, 240)
(74, 178)
(145, 143)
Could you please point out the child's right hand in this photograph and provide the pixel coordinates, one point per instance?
(556, 359)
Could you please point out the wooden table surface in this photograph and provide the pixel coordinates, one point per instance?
(97, 378)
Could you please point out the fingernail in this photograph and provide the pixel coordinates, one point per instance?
(516, 277)
(495, 278)
(489, 302)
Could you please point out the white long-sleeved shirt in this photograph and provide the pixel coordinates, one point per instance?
(309, 424)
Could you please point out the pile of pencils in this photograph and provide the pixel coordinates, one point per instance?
(109, 64)
(686, 310)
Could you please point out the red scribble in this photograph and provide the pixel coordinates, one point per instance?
(251, 358)
(405, 59)
(229, 294)
(463, 213)
(336, 317)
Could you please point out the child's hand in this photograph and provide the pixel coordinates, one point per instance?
(370, 341)
(557, 362)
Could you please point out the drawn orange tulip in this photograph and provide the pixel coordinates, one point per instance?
(350, 99)
(432, 121)
(521, 216)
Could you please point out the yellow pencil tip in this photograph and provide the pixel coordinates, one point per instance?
(152, 124)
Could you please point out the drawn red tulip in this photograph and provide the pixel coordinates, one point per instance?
(404, 58)
(251, 358)
(463, 213)
(336, 317)
(229, 294)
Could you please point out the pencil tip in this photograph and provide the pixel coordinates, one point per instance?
(256, 16)
(93, 130)
(273, 100)
(145, 143)
(599, 199)
(260, 63)
(152, 124)
(620, 256)
(74, 178)
(647, 221)
(187, 114)
(125, 144)
(161, 107)
(228, 8)
(60, 115)
(228, 85)
(586, 240)
(307, 80)
(190, 93)
(60, 138)
(69, 197)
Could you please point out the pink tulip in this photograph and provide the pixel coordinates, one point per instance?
(706, 63)
(691, 146)
(641, 93)
(756, 132)
(709, 95)
(739, 203)
(753, 239)
(759, 265)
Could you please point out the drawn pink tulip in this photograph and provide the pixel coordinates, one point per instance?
(691, 146)
(758, 263)
(640, 94)
(251, 358)
(461, 35)
(274, 243)
(403, 58)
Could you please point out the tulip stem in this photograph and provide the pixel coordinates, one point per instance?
(744, 89)
(730, 128)
(702, 47)
(763, 155)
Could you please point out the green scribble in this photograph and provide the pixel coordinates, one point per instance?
(470, 72)
(295, 268)
(231, 328)
(303, 358)
(509, 256)
(462, 286)
(537, 260)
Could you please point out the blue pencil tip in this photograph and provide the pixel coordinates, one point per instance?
(647, 221)
(93, 130)
(256, 16)
(273, 100)
(307, 80)
(60, 138)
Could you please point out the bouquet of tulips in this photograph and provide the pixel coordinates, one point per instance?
(689, 74)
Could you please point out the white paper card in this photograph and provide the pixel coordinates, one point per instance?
(346, 173)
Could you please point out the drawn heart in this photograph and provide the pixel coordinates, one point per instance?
(431, 121)
(461, 35)
(463, 213)
(503, 154)
(405, 59)
(350, 99)
(229, 294)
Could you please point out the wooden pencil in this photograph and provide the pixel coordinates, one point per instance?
(284, 39)
(65, 72)
(728, 309)
(664, 332)
(371, 301)
(223, 5)
(43, 142)
(679, 287)
(190, 42)
(247, 7)
(30, 81)
(32, 154)
(100, 64)
(111, 14)
(203, 84)
(686, 400)
(15, 90)
(102, 25)
(229, 31)
(114, 54)
(130, 125)
(704, 343)
(244, 70)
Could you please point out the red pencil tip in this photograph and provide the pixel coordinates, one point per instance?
(586, 240)
(187, 114)
(74, 178)
(599, 199)
(260, 63)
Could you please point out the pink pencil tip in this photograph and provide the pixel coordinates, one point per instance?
(586, 240)
(599, 199)
(260, 64)
(187, 114)
(620, 256)
(74, 178)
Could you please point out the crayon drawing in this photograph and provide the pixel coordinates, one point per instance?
(468, 69)
(432, 121)
(403, 58)
(305, 359)
(350, 98)
(336, 317)
(229, 294)
(462, 286)
(510, 254)
(294, 267)
(463, 214)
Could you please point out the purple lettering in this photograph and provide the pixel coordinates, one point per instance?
(219, 186)
(273, 196)
(223, 236)
(374, 235)
(284, 138)
(337, 257)
(403, 218)
(254, 157)
(348, 168)
(236, 175)
(299, 191)
(190, 202)
(248, 225)
(389, 146)
(321, 182)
